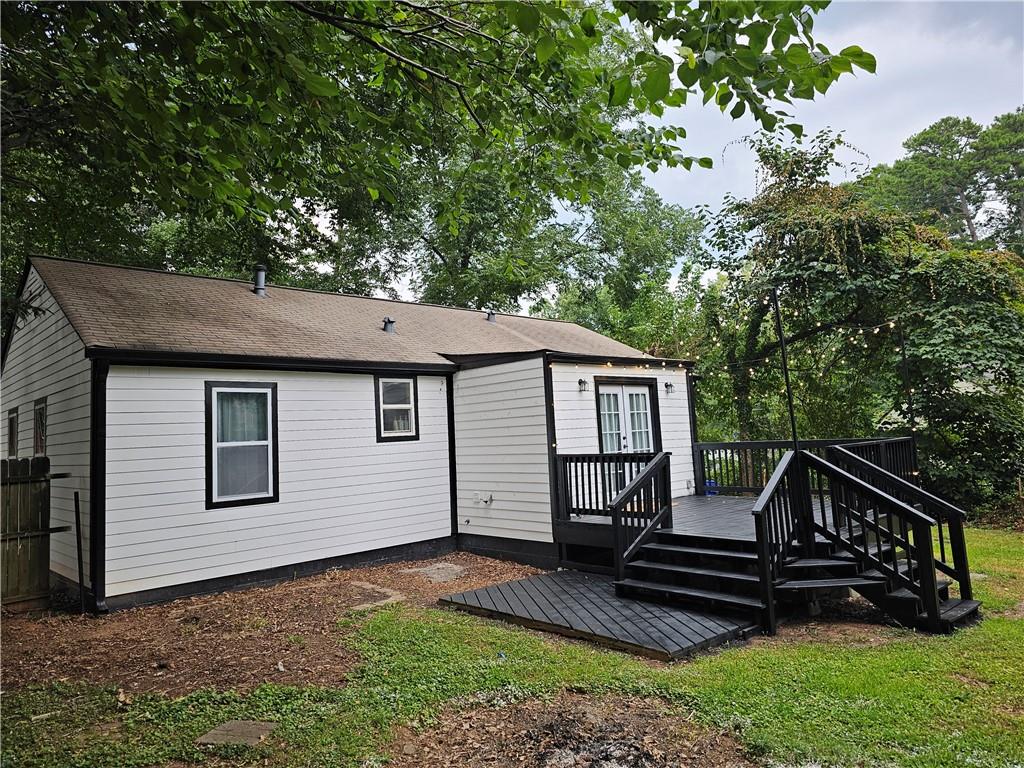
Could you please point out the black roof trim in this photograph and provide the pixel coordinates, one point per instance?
(254, 362)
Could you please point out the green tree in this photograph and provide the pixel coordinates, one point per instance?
(248, 109)
(620, 255)
(1000, 155)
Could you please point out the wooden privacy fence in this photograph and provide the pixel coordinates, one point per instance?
(25, 532)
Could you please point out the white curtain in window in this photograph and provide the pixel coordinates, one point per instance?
(243, 444)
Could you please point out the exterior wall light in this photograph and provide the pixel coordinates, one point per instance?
(584, 385)
(669, 387)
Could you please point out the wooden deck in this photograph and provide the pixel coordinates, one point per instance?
(585, 605)
(717, 517)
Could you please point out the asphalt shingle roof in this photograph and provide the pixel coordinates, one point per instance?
(123, 308)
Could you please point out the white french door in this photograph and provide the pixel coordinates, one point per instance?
(625, 418)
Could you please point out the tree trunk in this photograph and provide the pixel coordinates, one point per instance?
(968, 216)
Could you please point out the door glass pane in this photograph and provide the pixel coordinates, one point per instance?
(639, 421)
(396, 392)
(243, 470)
(241, 416)
(611, 427)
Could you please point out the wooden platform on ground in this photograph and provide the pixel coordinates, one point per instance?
(585, 605)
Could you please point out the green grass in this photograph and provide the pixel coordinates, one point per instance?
(914, 700)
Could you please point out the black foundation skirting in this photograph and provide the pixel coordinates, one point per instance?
(415, 551)
(537, 553)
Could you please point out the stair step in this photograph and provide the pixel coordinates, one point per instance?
(702, 551)
(905, 594)
(826, 583)
(693, 594)
(820, 562)
(686, 569)
(956, 609)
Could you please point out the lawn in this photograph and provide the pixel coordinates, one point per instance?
(899, 699)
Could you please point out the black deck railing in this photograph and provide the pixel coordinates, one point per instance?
(588, 482)
(744, 467)
(949, 548)
(880, 530)
(640, 509)
(776, 524)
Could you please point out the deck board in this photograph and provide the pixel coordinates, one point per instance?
(585, 605)
(716, 517)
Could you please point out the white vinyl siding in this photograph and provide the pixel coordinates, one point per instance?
(47, 360)
(341, 492)
(576, 413)
(501, 451)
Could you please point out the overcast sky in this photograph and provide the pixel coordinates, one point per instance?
(934, 59)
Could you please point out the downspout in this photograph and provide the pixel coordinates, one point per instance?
(98, 485)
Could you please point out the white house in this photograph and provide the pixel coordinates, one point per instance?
(221, 432)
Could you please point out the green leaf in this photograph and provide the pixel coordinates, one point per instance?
(588, 22)
(795, 128)
(859, 57)
(524, 16)
(619, 91)
(705, 162)
(546, 47)
(374, 192)
(319, 85)
(656, 84)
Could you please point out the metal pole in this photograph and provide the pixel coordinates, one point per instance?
(785, 368)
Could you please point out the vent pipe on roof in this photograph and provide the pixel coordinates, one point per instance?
(491, 317)
(389, 325)
(259, 282)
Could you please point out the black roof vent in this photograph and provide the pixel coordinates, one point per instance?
(259, 281)
(389, 325)
(491, 317)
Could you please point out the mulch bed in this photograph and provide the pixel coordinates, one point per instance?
(286, 633)
(569, 731)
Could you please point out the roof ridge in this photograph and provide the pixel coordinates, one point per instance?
(297, 288)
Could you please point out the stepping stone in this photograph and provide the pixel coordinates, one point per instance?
(246, 732)
(386, 595)
(439, 573)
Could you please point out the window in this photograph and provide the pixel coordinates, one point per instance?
(241, 443)
(39, 428)
(12, 433)
(396, 409)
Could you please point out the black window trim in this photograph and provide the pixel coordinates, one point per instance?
(12, 434)
(39, 404)
(381, 436)
(275, 462)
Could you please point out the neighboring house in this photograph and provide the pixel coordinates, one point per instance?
(220, 433)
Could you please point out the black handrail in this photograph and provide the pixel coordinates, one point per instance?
(949, 519)
(849, 509)
(775, 524)
(639, 509)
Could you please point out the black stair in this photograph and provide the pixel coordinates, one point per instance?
(695, 570)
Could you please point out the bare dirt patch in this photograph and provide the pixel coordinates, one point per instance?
(851, 621)
(570, 731)
(285, 633)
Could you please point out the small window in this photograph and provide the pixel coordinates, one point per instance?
(241, 442)
(39, 428)
(396, 409)
(12, 433)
